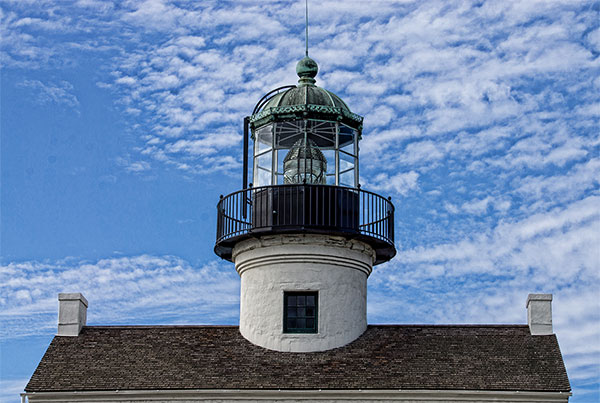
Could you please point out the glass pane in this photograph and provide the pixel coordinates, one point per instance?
(346, 137)
(287, 133)
(291, 312)
(310, 323)
(322, 133)
(347, 178)
(301, 323)
(310, 312)
(330, 157)
(262, 177)
(264, 161)
(301, 312)
(292, 300)
(292, 323)
(280, 157)
(300, 301)
(349, 149)
(346, 162)
(263, 139)
(310, 300)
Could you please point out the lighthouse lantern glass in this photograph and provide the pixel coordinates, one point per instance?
(332, 141)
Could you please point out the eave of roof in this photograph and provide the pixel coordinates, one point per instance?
(286, 395)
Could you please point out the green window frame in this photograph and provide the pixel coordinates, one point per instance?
(300, 311)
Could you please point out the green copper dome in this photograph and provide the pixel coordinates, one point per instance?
(306, 100)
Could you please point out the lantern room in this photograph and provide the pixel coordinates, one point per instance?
(305, 134)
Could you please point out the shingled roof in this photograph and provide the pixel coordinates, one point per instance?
(504, 358)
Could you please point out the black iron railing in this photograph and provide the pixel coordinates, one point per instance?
(305, 208)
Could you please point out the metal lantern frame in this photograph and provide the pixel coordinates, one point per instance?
(274, 130)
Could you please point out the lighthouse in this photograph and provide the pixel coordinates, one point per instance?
(303, 235)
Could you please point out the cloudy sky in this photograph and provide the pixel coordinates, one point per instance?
(121, 125)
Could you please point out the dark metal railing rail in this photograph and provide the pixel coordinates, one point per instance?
(305, 207)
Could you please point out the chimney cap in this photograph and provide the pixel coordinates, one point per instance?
(538, 297)
(72, 296)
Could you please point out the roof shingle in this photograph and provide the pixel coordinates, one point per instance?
(384, 357)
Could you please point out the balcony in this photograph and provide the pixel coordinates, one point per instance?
(309, 209)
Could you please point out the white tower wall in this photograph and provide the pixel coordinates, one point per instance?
(334, 267)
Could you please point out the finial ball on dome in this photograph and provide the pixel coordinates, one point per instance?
(307, 67)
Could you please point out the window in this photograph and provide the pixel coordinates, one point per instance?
(300, 311)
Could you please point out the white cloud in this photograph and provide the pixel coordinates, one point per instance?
(477, 206)
(561, 188)
(561, 241)
(154, 15)
(138, 166)
(126, 80)
(47, 93)
(419, 152)
(130, 290)
(401, 183)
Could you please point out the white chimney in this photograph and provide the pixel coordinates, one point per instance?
(539, 314)
(72, 313)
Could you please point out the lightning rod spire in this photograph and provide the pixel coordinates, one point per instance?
(306, 15)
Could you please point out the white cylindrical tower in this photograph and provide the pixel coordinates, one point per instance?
(303, 292)
(305, 237)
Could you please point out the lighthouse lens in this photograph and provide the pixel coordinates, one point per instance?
(304, 163)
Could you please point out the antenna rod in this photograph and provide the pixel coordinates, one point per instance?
(306, 13)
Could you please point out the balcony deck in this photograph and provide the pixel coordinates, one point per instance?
(315, 209)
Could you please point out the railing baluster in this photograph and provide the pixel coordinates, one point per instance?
(344, 209)
(373, 214)
(226, 221)
(241, 212)
(335, 213)
(372, 208)
(378, 214)
(325, 201)
(385, 214)
(228, 214)
(252, 207)
(318, 207)
(312, 206)
(278, 209)
(233, 215)
(363, 220)
(329, 199)
(303, 222)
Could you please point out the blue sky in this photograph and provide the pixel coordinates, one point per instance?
(121, 125)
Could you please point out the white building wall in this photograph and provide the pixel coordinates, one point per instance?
(334, 267)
